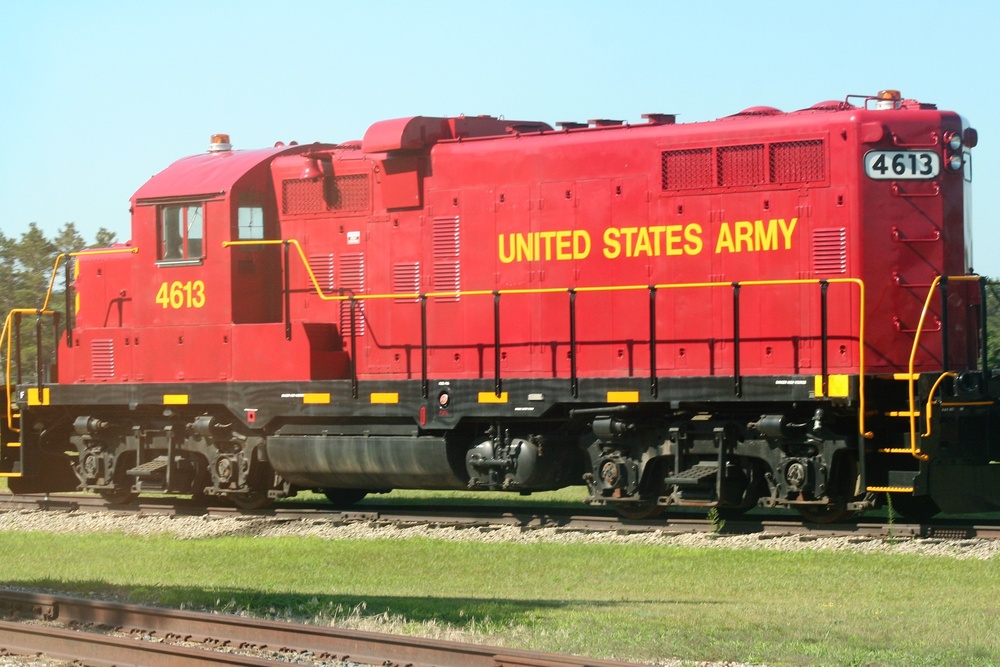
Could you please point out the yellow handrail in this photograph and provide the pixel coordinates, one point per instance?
(911, 366)
(606, 288)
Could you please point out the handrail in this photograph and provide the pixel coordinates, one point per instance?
(496, 293)
(911, 365)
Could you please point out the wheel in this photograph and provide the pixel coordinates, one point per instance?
(915, 508)
(639, 511)
(344, 497)
(253, 500)
(120, 495)
(845, 486)
(833, 513)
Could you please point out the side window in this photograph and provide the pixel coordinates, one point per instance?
(181, 232)
(250, 223)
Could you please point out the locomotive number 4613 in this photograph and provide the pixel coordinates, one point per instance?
(902, 164)
(190, 294)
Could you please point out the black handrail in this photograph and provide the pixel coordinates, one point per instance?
(653, 382)
(943, 286)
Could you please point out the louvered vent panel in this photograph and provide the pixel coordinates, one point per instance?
(686, 169)
(741, 165)
(323, 268)
(830, 250)
(447, 271)
(798, 161)
(352, 280)
(102, 358)
(406, 280)
(348, 193)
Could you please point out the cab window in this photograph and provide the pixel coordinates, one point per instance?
(181, 232)
(250, 223)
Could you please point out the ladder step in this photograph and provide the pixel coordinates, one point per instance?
(890, 489)
(902, 413)
(150, 468)
(693, 476)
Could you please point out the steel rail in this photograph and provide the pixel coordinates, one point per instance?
(529, 518)
(226, 630)
(102, 650)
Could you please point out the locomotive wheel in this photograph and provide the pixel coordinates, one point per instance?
(847, 484)
(344, 497)
(639, 511)
(832, 513)
(120, 495)
(253, 500)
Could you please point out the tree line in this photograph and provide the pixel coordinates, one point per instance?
(26, 264)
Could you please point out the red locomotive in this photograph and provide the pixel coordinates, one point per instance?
(771, 308)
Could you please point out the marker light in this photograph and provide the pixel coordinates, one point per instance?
(888, 99)
(219, 143)
(954, 140)
(955, 162)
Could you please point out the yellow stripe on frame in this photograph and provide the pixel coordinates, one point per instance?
(12, 444)
(838, 386)
(623, 397)
(10, 474)
(175, 399)
(491, 397)
(315, 399)
(33, 398)
(387, 397)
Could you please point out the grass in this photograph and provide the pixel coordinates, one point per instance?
(636, 602)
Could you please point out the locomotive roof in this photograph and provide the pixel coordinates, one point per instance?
(211, 173)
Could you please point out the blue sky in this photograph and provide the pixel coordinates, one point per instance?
(98, 96)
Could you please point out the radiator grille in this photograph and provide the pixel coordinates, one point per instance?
(798, 162)
(102, 358)
(741, 165)
(686, 169)
(349, 193)
(830, 250)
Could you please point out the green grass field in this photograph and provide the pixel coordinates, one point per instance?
(637, 602)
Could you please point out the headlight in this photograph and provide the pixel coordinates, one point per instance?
(955, 162)
(954, 141)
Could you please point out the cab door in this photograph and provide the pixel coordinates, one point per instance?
(256, 269)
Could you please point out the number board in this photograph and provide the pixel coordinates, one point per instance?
(902, 165)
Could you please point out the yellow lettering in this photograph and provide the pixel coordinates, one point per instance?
(507, 257)
(612, 246)
(786, 231)
(629, 232)
(725, 239)
(744, 235)
(581, 244)
(564, 245)
(673, 234)
(765, 238)
(524, 252)
(692, 234)
(642, 243)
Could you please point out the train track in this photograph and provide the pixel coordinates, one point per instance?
(525, 518)
(76, 629)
